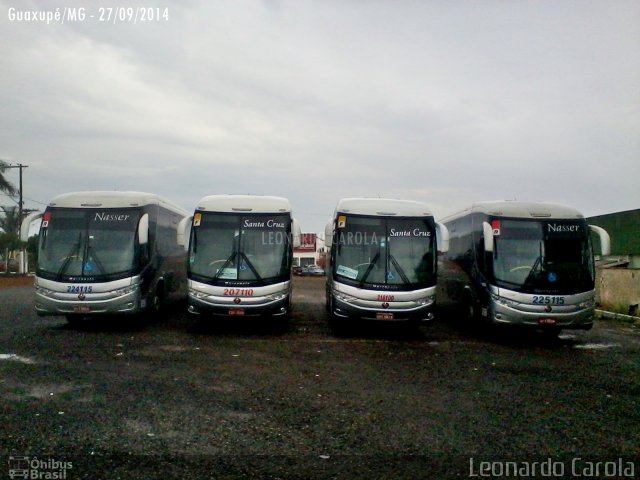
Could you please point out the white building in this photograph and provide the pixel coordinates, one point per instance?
(310, 251)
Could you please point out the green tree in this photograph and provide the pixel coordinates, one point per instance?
(10, 242)
(10, 221)
(9, 217)
(9, 224)
(9, 228)
(5, 185)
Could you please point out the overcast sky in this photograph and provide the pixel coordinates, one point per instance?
(447, 102)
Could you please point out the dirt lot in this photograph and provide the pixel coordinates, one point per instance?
(182, 397)
(10, 281)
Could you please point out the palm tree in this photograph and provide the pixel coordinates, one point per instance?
(10, 223)
(5, 185)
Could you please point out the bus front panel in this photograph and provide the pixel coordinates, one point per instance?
(383, 268)
(248, 301)
(240, 264)
(83, 299)
(542, 273)
(89, 262)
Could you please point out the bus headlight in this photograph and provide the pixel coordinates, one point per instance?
(426, 300)
(503, 301)
(121, 292)
(197, 293)
(277, 296)
(587, 303)
(45, 292)
(343, 297)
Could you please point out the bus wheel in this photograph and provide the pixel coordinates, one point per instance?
(470, 313)
(469, 310)
(158, 308)
(336, 324)
(327, 299)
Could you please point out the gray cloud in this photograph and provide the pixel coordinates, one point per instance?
(446, 102)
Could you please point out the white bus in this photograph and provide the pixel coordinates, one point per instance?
(107, 253)
(528, 264)
(383, 260)
(241, 255)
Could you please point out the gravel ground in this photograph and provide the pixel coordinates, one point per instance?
(187, 399)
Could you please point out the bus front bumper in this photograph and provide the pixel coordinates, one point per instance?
(268, 308)
(127, 303)
(578, 320)
(342, 309)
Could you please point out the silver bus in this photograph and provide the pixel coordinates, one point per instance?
(107, 253)
(382, 262)
(528, 264)
(240, 252)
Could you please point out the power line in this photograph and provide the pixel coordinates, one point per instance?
(26, 198)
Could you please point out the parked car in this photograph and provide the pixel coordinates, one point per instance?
(313, 271)
(13, 265)
(297, 270)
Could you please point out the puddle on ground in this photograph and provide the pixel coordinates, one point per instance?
(596, 346)
(12, 357)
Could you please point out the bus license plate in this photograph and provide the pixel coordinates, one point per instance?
(236, 311)
(81, 309)
(384, 316)
(547, 321)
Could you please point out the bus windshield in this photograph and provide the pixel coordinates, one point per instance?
(543, 256)
(397, 253)
(228, 249)
(87, 243)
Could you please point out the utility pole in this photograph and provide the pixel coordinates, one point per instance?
(23, 263)
(20, 202)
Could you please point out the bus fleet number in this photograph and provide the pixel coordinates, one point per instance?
(238, 292)
(543, 300)
(386, 298)
(79, 289)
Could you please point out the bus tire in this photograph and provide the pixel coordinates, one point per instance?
(158, 307)
(471, 312)
(327, 299)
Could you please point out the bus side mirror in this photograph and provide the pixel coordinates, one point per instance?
(605, 241)
(26, 225)
(143, 229)
(328, 234)
(296, 233)
(183, 232)
(442, 238)
(487, 230)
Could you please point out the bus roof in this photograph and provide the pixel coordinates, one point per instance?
(107, 199)
(244, 204)
(383, 207)
(515, 209)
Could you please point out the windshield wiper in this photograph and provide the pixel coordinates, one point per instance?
(252, 268)
(399, 269)
(369, 269)
(534, 269)
(91, 254)
(225, 265)
(67, 259)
